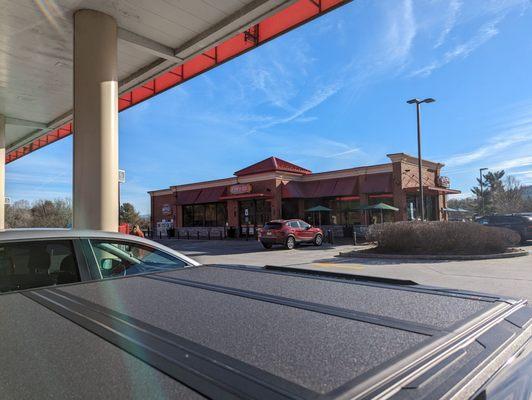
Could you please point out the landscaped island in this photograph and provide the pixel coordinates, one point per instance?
(440, 238)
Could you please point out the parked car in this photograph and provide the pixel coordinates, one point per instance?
(289, 233)
(520, 223)
(37, 258)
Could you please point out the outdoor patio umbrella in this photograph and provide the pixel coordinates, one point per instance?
(319, 210)
(382, 207)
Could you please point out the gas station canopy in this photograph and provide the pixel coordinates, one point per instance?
(161, 43)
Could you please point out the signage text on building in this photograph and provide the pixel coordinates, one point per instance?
(241, 188)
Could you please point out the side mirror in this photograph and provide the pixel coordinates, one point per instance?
(106, 264)
(111, 267)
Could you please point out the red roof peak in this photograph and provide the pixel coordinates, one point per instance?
(272, 164)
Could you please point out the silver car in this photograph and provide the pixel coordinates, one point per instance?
(34, 258)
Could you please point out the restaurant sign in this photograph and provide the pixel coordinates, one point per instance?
(241, 188)
(443, 181)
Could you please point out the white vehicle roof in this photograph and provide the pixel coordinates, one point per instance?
(15, 235)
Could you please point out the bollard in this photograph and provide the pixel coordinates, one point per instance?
(330, 234)
(209, 234)
(160, 235)
(197, 234)
(178, 234)
(188, 234)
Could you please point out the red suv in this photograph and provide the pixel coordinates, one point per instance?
(289, 233)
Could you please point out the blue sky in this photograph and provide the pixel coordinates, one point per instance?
(331, 95)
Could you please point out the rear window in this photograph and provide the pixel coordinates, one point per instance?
(27, 265)
(273, 225)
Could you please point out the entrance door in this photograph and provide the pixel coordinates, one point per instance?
(254, 212)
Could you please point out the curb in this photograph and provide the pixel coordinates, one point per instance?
(458, 257)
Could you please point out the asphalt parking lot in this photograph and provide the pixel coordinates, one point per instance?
(507, 277)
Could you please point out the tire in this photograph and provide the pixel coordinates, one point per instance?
(318, 239)
(266, 245)
(290, 243)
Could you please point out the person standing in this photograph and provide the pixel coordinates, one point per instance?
(137, 231)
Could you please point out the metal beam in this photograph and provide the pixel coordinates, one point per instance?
(25, 122)
(148, 45)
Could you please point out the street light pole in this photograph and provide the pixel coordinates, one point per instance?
(418, 102)
(481, 190)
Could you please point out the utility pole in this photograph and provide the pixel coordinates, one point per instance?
(418, 102)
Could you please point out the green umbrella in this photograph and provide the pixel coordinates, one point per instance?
(382, 207)
(319, 209)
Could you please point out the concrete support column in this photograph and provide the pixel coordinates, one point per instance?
(2, 169)
(95, 121)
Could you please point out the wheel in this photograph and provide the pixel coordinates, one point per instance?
(318, 240)
(290, 243)
(266, 245)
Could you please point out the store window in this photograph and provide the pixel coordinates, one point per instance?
(343, 211)
(413, 210)
(221, 214)
(210, 214)
(199, 215)
(290, 208)
(205, 215)
(188, 215)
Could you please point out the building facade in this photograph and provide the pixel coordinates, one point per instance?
(275, 189)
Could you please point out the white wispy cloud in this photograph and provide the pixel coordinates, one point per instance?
(402, 29)
(320, 95)
(508, 147)
(518, 162)
(453, 12)
(463, 50)
(494, 146)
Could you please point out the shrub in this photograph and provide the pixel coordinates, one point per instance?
(441, 237)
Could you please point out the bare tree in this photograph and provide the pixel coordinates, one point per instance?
(41, 214)
(509, 198)
(18, 214)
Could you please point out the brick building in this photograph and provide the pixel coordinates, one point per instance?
(274, 188)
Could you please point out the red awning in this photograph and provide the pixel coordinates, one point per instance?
(325, 188)
(433, 189)
(187, 196)
(346, 186)
(293, 190)
(376, 183)
(243, 196)
(444, 190)
(210, 195)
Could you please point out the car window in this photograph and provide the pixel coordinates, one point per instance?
(304, 225)
(121, 258)
(294, 224)
(273, 225)
(27, 265)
